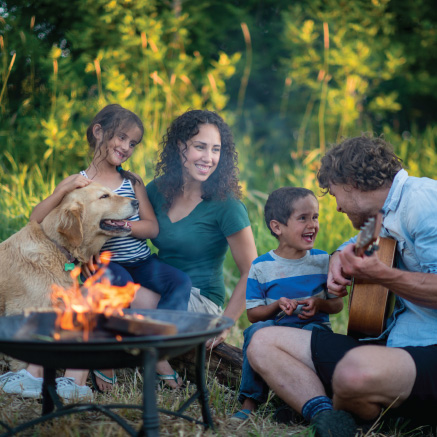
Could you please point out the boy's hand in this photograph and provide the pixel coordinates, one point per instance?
(287, 305)
(309, 309)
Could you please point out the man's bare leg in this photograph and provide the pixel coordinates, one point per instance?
(371, 377)
(282, 356)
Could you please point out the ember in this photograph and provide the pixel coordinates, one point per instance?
(78, 308)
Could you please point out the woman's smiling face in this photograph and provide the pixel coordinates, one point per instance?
(202, 155)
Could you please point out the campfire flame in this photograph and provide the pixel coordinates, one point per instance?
(78, 307)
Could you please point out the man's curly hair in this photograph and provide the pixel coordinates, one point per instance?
(364, 163)
(169, 169)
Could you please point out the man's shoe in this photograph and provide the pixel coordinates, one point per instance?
(286, 414)
(334, 423)
(21, 383)
(69, 390)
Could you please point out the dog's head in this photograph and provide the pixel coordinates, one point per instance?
(88, 217)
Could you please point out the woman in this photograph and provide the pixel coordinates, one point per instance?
(195, 196)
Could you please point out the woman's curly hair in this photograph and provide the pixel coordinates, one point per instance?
(364, 163)
(169, 169)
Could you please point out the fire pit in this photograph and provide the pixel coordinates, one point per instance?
(31, 339)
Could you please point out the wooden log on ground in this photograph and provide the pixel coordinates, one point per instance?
(224, 362)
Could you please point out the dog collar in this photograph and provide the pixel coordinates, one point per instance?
(71, 260)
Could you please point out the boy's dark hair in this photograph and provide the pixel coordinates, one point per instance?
(169, 169)
(113, 118)
(280, 204)
(364, 162)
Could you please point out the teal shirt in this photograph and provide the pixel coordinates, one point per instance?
(197, 243)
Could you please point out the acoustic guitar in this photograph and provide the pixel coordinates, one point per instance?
(371, 304)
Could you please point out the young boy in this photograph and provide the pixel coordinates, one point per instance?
(286, 286)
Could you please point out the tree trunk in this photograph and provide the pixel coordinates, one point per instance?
(224, 362)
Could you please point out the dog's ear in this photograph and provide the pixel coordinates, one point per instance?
(70, 225)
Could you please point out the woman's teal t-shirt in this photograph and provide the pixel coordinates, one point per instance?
(197, 243)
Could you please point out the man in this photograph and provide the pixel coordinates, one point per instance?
(334, 380)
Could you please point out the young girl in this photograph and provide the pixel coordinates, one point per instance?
(113, 135)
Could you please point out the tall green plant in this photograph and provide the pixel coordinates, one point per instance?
(131, 53)
(340, 54)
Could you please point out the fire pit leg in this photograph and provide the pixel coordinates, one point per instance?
(201, 386)
(49, 381)
(150, 426)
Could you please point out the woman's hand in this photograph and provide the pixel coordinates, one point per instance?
(91, 266)
(213, 342)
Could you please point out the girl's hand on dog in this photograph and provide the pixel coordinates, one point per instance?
(71, 183)
(63, 188)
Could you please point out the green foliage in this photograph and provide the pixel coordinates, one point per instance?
(296, 78)
(341, 53)
(117, 52)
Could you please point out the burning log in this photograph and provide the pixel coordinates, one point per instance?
(224, 362)
(139, 325)
(41, 325)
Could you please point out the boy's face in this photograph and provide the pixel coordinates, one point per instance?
(301, 230)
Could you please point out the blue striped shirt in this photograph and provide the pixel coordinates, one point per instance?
(272, 277)
(126, 249)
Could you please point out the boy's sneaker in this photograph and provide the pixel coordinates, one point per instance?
(69, 390)
(334, 423)
(241, 416)
(21, 383)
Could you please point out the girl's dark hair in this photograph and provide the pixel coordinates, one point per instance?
(364, 163)
(281, 204)
(169, 169)
(112, 118)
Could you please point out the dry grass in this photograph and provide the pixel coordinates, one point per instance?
(15, 410)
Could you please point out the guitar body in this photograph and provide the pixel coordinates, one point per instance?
(371, 304)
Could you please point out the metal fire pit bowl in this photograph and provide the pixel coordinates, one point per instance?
(103, 351)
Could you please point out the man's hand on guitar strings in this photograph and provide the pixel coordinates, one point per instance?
(337, 282)
(363, 267)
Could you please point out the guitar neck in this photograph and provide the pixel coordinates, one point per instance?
(368, 238)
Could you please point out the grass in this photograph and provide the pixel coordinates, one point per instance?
(15, 410)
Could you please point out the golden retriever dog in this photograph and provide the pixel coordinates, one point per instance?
(35, 257)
